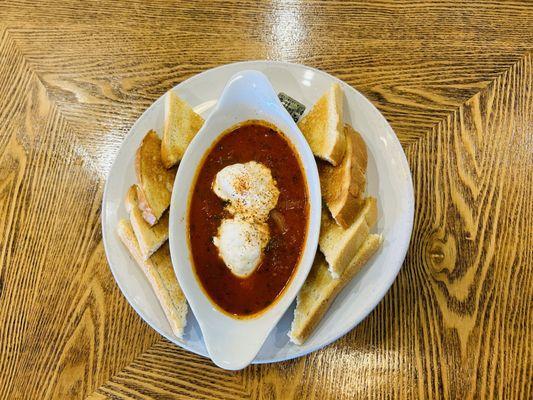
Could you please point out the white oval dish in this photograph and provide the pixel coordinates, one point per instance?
(388, 179)
(233, 343)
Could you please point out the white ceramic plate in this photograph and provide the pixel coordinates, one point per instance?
(388, 176)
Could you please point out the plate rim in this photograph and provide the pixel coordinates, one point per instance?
(408, 227)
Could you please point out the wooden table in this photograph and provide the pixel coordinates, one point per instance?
(453, 79)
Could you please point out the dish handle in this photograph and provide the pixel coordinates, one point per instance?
(250, 89)
(234, 345)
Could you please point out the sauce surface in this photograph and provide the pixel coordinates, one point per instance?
(287, 222)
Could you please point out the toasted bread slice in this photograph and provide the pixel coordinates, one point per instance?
(131, 199)
(320, 289)
(322, 126)
(154, 180)
(158, 270)
(343, 186)
(150, 238)
(181, 124)
(339, 245)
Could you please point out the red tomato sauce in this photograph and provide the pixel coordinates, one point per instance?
(288, 222)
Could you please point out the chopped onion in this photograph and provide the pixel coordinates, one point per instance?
(279, 220)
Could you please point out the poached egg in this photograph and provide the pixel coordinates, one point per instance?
(251, 193)
(241, 244)
(249, 188)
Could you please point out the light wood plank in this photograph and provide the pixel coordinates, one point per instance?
(104, 64)
(167, 371)
(64, 327)
(456, 323)
(470, 263)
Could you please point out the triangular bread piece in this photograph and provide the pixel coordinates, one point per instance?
(158, 270)
(339, 245)
(150, 238)
(130, 202)
(322, 126)
(154, 180)
(320, 289)
(343, 186)
(181, 124)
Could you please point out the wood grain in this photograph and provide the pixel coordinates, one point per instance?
(60, 312)
(475, 240)
(453, 78)
(416, 61)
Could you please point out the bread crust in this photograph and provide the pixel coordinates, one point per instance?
(149, 238)
(159, 272)
(322, 126)
(320, 289)
(181, 125)
(339, 245)
(154, 180)
(343, 185)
